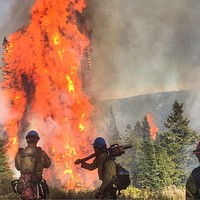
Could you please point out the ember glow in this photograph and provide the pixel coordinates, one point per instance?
(41, 80)
(153, 128)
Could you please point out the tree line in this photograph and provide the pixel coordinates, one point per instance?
(164, 161)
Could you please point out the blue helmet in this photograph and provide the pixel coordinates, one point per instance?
(32, 133)
(99, 142)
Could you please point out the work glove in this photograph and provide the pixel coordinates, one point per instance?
(77, 161)
(99, 195)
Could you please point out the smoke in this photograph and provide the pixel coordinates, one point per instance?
(141, 46)
(5, 112)
(193, 107)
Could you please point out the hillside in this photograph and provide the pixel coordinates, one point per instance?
(133, 109)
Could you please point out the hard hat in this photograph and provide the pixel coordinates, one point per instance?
(197, 151)
(32, 133)
(99, 142)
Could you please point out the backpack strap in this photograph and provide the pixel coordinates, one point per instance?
(108, 158)
(38, 151)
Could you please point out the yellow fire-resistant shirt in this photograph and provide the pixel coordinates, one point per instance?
(106, 173)
(32, 159)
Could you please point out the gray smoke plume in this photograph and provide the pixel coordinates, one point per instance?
(141, 46)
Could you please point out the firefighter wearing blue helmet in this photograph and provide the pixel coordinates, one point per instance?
(106, 170)
(32, 134)
(31, 161)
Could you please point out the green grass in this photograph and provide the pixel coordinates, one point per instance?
(131, 193)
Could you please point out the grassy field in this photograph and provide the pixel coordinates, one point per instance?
(170, 193)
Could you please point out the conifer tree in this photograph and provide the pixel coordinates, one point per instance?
(136, 139)
(112, 128)
(129, 160)
(177, 140)
(148, 169)
(166, 167)
(5, 171)
(126, 159)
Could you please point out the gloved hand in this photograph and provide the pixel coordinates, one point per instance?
(99, 195)
(77, 161)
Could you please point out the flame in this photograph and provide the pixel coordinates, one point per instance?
(14, 140)
(153, 128)
(70, 84)
(41, 79)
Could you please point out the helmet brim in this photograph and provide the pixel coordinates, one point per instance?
(196, 151)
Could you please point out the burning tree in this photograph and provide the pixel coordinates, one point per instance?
(153, 128)
(41, 80)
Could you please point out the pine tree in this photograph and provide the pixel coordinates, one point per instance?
(112, 128)
(5, 171)
(136, 139)
(177, 140)
(126, 159)
(166, 167)
(148, 169)
(130, 159)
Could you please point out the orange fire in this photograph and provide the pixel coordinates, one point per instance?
(153, 128)
(41, 79)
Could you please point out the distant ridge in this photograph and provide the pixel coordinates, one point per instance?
(133, 109)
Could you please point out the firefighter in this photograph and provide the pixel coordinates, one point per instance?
(193, 182)
(30, 162)
(106, 170)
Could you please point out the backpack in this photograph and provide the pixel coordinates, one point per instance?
(122, 180)
(28, 186)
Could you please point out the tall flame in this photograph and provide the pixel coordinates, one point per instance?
(153, 128)
(41, 79)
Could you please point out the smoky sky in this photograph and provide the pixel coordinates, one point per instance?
(141, 46)
(137, 46)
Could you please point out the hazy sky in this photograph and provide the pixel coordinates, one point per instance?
(142, 46)
(138, 46)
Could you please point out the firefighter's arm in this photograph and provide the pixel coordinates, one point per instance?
(47, 160)
(17, 159)
(191, 188)
(109, 174)
(17, 162)
(90, 166)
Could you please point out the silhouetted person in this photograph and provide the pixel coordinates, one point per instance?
(106, 170)
(193, 182)
(30, 162)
